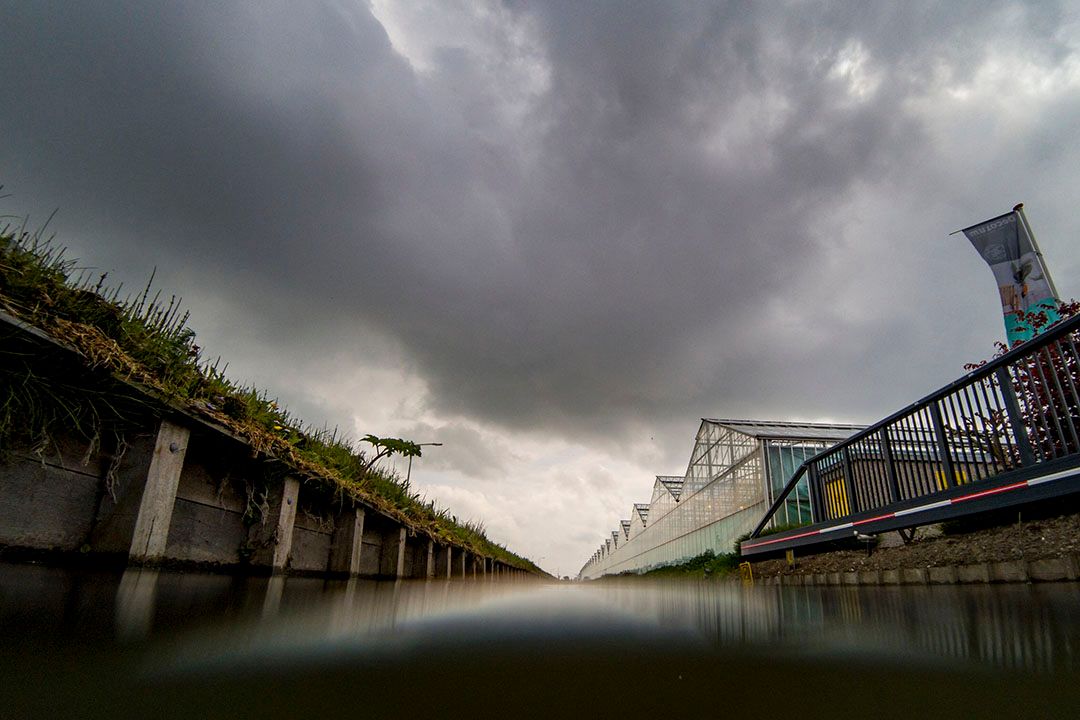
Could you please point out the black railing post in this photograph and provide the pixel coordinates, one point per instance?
(1016, 420)
(890, 464)
(849, 483)
(814, 484)
(943, 445)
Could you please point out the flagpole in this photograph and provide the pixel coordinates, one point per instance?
(1019, 210)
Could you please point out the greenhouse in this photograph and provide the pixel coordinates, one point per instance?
(736, 469)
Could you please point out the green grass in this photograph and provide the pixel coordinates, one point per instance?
(143, 338)
(706, 565)
(709, 563)
(767, 531)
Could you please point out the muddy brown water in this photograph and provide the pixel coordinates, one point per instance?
(167, 645)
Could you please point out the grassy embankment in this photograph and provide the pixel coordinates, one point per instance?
(144, 340)
(706, 565)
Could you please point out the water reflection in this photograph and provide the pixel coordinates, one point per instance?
(1016, 627)
(146, 634)
(135, 602)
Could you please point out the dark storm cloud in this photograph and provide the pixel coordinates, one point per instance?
(604, 254)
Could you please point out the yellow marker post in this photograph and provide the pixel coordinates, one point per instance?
(747, 574)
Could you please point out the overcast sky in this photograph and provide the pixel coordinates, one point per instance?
(554, 235)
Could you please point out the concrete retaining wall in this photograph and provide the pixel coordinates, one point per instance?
(177, 487)
(184, 495)
(50, 501)
(1013, 571)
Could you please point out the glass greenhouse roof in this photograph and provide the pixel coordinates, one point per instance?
(789, 430)
(672, 483)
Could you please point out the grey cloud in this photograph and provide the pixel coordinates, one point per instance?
(584, 266)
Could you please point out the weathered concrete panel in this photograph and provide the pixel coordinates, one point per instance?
(199, 533)
(1050, 570)
(1010, 571)
(44, 507)
(119, 507)
(941, 575)
(371, 554)
(913, 576)
(370, 558)
(217, 489)
(979, 573)
(443, 561)
(309, 520)
(310, 550)
(68, 453)
(207, 524)
(415, 557)
(408, 560)
(347, 545)
(869, 577)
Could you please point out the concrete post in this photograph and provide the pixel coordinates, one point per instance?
(393, 553)
(286, 518)
(429, 569)
(155, 509)
(348, 543)
(272, 537)
(463, 554)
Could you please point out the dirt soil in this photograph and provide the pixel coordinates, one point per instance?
(1035, 540)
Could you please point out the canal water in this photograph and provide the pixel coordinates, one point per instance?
(147, 644)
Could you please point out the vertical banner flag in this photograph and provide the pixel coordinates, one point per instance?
(1007, 246)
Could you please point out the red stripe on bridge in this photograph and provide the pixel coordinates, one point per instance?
(912, 511)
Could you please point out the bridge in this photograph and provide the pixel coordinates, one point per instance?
(1005, 434)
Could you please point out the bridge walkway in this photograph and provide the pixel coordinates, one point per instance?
(1006, 434)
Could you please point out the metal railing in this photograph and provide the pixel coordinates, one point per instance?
(1015, 412)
